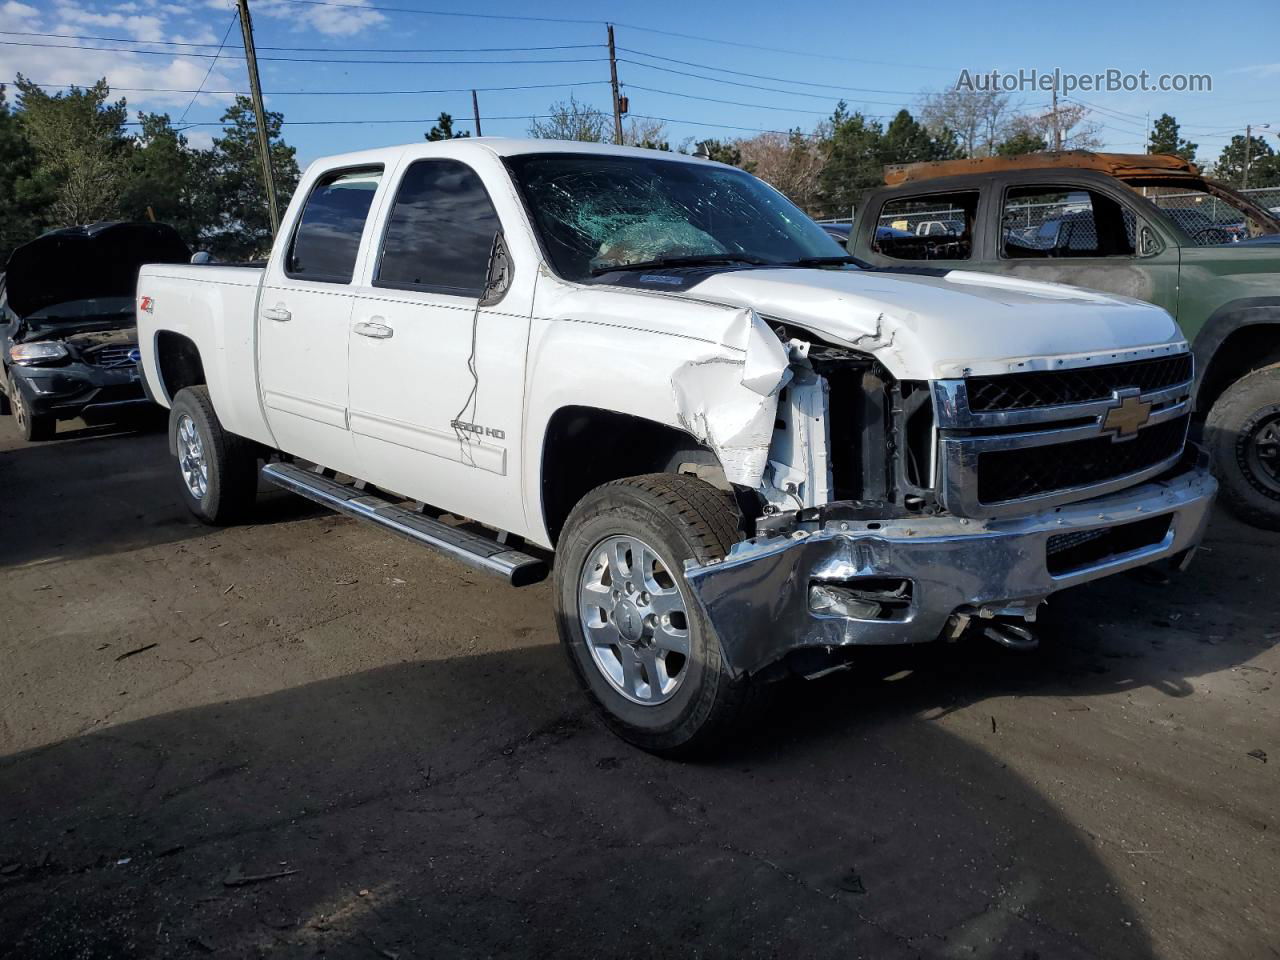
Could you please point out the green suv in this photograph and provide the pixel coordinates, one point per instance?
(1150, 227)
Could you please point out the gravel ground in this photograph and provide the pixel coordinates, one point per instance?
(305, 738)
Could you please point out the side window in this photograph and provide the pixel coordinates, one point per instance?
(938, 226)
(440, 231)
(1064, 221)
(327, 237)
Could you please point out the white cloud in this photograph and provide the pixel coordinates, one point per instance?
(353, 16)
(1261, 70)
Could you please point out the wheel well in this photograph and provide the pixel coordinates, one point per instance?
(1245, 350)
(178, 359)
(585, 447)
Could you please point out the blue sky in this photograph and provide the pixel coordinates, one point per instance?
(877, 56)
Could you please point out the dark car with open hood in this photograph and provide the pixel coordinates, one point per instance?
(68, 322)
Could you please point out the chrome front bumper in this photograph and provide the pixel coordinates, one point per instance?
(758, 598)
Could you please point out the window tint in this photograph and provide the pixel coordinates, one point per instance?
(1064, 222)
(934, 227)
(328, 234)
(440, 231)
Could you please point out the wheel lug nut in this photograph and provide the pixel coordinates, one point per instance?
(630, 588)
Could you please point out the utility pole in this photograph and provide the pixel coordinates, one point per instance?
(475, 112)
(1057, 131)
(613, 79)
(1248, 142)
(264, 140)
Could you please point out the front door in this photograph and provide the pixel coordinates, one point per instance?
(437, 380)
(1063, 233)
(304, 315)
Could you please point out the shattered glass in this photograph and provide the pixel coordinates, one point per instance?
(598, 210)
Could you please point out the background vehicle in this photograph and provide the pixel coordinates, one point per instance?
(1142, 226)
(67, 322)
(568, 344)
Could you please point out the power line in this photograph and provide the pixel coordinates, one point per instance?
(760, 76)
(731, 83)
(212, 64)
(798, 53)
(332, 93)
(630, 26)
(442, 13)
(182, 43)
(166, 53)
(759, 106)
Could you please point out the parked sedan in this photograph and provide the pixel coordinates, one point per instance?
(67, 322)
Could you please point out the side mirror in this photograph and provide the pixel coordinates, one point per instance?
(1148, 243)
(202, 256)
(498, 276)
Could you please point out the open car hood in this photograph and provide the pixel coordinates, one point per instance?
(83, 263)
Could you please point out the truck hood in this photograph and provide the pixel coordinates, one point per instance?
(924, 326)
(96, 262)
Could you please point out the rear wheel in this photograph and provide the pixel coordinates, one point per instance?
(1243, 433)
(637, 641)
(218, 470)
(33, 427)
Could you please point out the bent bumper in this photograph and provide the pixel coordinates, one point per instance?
(758, 599)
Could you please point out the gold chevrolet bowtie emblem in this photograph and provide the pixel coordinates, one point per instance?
(1128, 416)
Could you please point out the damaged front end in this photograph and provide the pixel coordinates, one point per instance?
(871, 526)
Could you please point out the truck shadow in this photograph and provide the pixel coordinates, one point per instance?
(106, 490)
(472, 807)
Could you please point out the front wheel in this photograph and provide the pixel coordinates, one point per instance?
(1243, 433)
(638, 643)
(218, 470)
(32, 426)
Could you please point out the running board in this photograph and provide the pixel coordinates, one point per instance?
(519, 569)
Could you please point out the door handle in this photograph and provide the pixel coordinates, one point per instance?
(372, 328)
(278, 313)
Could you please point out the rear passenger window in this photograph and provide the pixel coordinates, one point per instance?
(327, 239)
(938, 226)
(440, 231)
(1064, 222)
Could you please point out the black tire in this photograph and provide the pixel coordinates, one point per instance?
(5, 407)
(33, 427)
(680, 518)
(230, 461)
(1237, 431)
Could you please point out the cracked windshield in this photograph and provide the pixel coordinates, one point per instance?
(596, 213)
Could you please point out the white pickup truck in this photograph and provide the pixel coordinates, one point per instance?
(749, 455)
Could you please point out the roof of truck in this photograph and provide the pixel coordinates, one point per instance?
(501, 146)
(1115, 164)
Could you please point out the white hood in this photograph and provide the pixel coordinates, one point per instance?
(958, 324)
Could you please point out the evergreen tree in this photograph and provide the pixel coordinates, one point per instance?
(242, 227)
(23, 203)
(443, 130)
(1165, 139)
(81, 151)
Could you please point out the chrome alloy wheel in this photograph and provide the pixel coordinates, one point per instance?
(195, 471)
(635, 620)
(18, 405)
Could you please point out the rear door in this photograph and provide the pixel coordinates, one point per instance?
(437, 378)
(1084, 236)
(304, 314)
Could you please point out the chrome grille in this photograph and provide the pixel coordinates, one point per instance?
(1030, 449)
(113, 355)
(1080, 385)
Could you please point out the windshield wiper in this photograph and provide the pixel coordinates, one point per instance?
(699, 260)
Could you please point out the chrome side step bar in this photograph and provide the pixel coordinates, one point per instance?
(519, 569)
